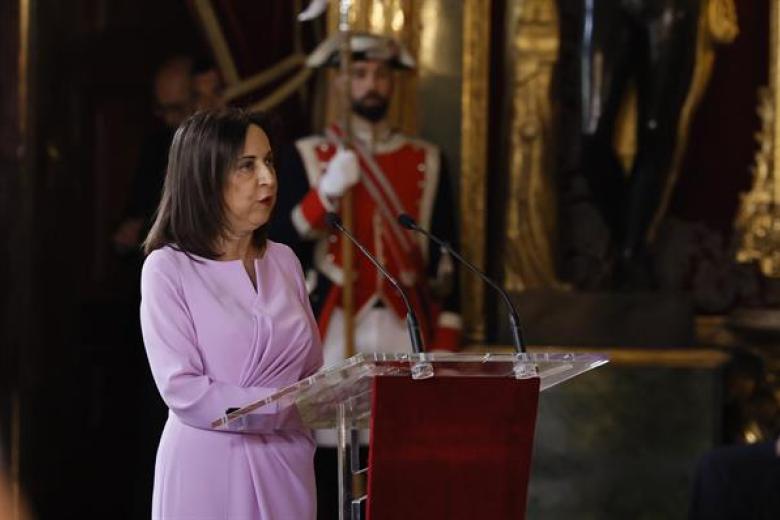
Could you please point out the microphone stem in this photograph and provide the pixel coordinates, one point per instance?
(514, 319)
(517, 335)
(414, 332)
(411, 320)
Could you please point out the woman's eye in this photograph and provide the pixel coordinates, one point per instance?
(269, 161)
(246, 167)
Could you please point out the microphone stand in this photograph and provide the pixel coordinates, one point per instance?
(422, 369)
(523, 368)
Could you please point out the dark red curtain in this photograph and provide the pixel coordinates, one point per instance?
(260, 35)
(722, 144)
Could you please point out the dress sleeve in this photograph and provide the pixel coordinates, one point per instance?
(171, 346)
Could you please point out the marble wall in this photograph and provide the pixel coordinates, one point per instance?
(622, 442)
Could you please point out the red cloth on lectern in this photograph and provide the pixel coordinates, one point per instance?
(451, 447)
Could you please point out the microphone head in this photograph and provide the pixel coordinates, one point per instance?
(407, 221)
(333, 220)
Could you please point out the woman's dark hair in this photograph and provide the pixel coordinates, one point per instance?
(191, 216)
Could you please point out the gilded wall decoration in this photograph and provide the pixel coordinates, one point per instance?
(530, 209)
(758, 220)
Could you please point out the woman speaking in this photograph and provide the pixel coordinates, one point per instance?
(226, 320)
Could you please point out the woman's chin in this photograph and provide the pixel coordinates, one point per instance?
(257, 223)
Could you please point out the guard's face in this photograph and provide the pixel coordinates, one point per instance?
(250, 188)
(371, 87)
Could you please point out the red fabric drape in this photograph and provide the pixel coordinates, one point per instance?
(451, 447)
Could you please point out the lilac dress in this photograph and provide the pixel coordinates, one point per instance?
(213, 343)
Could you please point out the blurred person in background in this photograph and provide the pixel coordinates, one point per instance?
(181, 86)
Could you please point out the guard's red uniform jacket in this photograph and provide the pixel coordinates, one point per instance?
(398, 175)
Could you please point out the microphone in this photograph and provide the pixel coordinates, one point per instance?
(412, 324)
(514, 320)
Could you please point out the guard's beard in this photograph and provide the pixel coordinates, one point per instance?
(372, 107)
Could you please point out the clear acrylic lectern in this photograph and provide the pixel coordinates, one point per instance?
(447, 385)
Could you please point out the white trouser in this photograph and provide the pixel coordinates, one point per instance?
(378, 329)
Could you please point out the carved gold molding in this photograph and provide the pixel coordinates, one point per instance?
(473, 180)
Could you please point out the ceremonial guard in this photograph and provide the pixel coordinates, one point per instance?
(381, 173)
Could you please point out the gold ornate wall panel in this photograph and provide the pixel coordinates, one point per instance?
(474, 148)
(530, 204)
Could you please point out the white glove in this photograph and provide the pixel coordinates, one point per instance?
(342, 173)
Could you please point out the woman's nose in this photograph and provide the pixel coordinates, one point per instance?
(265, 175)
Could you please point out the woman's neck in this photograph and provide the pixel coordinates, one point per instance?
(237, 247)
(241, 248)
